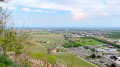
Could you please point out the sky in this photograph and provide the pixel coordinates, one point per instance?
(64, 13)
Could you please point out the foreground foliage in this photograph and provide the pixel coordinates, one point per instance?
(6, 62)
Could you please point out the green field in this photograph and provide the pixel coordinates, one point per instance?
(87, 41)
(41, 33)
(36, 46)
(77, 62)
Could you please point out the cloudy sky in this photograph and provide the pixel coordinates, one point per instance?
(65, 13)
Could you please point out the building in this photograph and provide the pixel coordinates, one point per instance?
(53, 51)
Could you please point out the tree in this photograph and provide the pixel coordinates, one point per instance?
(10, 39)
(87, 57)
(99, 56)
(52, 59)
(113, 65)
(93, 56)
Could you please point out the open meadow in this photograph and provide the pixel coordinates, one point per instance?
(85, 41)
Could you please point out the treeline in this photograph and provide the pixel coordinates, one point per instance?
(115, 35)
(105, 41)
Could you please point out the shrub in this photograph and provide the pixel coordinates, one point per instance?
(6, 62)
(87, 57)
(99, 56)
(52, 59)
(113, 65)
(93, 56)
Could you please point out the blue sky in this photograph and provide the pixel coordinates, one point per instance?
(65, 13)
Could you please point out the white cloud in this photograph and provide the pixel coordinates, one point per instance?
(79, 8)
(37, 10)
(12, 8)
(30, 10)
(49, 11)
(26, 9)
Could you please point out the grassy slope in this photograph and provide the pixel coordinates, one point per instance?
(77, 61)
(41, 48)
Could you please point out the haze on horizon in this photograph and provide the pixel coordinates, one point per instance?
(65, 13)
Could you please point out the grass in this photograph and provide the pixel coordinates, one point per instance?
(50, 39)
(36, 49)
(77, 62)
(41, 33)
(87, 41)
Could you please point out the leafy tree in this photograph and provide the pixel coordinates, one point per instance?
(86, 47)
(93, 56)
(52, 59)
(87, 57)
(10, 39)
(113, 65)
(6, 62)
(93, 50)
(99, 56)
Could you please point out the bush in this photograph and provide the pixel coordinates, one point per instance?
(99, 56)
(113, 65)
(87, 57)
(86, 47)
(93, 56)
(6, 62)
(52, 59)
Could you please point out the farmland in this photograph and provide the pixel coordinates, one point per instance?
(40, 44)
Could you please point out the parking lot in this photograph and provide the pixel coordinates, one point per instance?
(82, 53)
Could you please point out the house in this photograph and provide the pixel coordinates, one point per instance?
(111, 46)
(53, 51)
